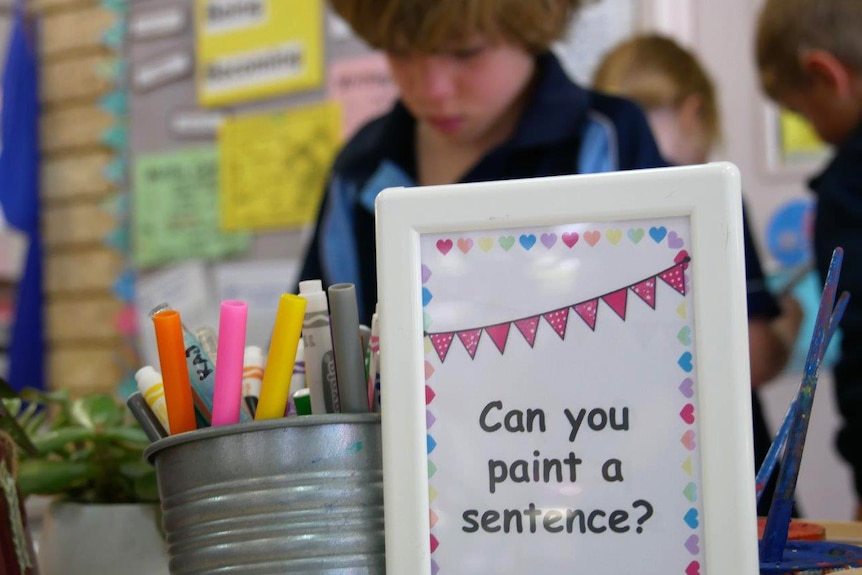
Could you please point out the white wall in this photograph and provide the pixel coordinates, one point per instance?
(722, 33)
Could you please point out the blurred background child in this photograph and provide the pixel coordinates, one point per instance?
(809, 59)
(680, 102)
(482, 97)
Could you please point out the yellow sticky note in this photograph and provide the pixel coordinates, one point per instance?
(273, 166)
(253, 49)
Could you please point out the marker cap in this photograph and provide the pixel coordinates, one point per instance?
(147, 377)
(310, 287)
(302, 400)
(253, 356)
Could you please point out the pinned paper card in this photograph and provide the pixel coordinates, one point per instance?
(579, 397)
(797, 136)
(185, 287)
(273, 166)
(259, 283)
(253, 49)
(158, 23)
(363, 86)
(176, 208)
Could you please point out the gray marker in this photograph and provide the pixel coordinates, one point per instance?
(145, 417)
(349, 363)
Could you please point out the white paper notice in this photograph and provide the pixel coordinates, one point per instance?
(258, 283)
(185, 288)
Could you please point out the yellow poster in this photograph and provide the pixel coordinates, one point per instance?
(798, 138)
(273, 166)
(253, 49)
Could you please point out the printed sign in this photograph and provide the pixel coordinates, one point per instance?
(254, 49)
(570, 368)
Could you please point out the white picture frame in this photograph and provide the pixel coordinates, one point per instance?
(721, 518)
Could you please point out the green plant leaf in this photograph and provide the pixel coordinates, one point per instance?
(6, 391)
(41, 477)
(133, 435)
(136, 469)
(35, 423)
(98, 410)
(57, 439)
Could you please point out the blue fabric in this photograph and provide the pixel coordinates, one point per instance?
(598, 149)
(19, 196)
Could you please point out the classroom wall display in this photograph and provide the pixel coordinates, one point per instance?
(237, 183)
(571, 375)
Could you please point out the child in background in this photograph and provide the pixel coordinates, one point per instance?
(482, 98)
(809, 59)
(680, 103)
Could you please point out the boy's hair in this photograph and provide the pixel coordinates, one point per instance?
(786, 28)
(432, 25)
(655, 72)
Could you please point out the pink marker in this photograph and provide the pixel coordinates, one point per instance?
(227, 396)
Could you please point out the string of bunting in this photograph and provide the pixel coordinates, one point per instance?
(558, 318)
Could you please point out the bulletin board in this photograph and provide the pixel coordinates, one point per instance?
(571, 363)
(236, 110)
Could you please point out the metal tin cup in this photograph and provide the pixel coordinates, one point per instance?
(294, 495)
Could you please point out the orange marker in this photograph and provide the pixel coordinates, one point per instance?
(175, 373)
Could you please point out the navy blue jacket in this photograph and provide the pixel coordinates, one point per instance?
(839, 223)
(565, 129)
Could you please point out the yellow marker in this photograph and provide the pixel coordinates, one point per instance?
(151, 387)
(281, 356)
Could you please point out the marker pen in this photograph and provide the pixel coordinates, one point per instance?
(153, 391)
(349, 364)
(319, 359)
(252, 376)
(227, 394)
(282, 353)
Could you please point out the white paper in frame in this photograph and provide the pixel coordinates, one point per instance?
(565, 375)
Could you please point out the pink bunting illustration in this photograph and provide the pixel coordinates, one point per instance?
(557, 319)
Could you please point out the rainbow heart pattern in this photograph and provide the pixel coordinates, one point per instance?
(565, 239)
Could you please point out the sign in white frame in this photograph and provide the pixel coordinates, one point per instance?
(565, 375)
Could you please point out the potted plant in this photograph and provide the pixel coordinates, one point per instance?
(88, 458)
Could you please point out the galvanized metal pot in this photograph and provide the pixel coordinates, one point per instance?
(293, 495)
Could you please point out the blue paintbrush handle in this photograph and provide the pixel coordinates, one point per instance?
(778, 522)
(771, 460)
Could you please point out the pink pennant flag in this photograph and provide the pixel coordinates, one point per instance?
(527, 327)
(470, 339)
(441, 343)
(617, 301)
(558, 320)
(499, 334)
(674, 277)
(646, 291)
(587, 310)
